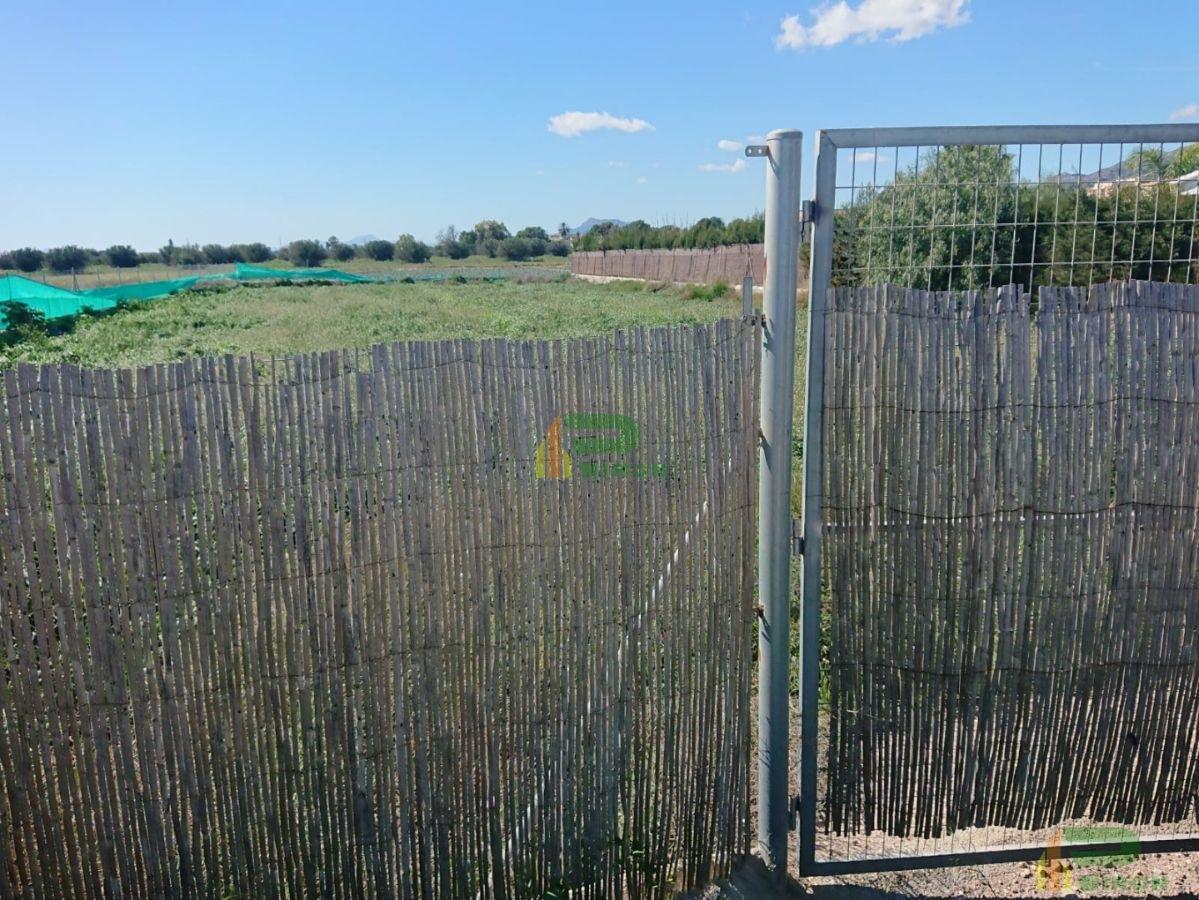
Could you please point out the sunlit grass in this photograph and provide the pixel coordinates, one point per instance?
(297, 318)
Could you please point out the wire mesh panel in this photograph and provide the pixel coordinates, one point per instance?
(456, 619)
(962, 216)
(1003, 518)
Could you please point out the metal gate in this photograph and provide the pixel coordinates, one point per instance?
(1000, 623)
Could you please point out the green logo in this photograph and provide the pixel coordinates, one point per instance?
(592, 445)
(1060, 869)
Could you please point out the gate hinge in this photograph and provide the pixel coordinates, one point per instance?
(793, 813)
(807, 217)
(797, 547)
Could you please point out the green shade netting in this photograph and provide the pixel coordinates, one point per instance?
(52, 302)
(57, 303)
(146, 290)
(245, 272)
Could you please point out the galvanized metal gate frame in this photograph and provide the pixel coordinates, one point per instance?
(821, 214)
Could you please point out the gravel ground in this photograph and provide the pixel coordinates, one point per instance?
(1154, 875)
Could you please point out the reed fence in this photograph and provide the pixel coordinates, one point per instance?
(454, 619)
(727, 264)
(1012, 557)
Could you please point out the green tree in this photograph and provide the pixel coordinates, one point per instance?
(380, 251)
(469, 241)
(66, 259)
(167, 253)
(516, 248)
(27, 259)
(339, 251)
(961, 219)
(217, 254)
(189, 255)
(408, 249)
(256, 252)
(306, 253)
(1159, 164)
(488, 235)
(450, 244)
(122, 256)
(951, 201)
(537, 237)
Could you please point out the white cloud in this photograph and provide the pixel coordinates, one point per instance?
(1185, 113)
(642, 180)
(730, 146)
(573, 123)
(869, 157)
(616, 164)
(896, 20)
(738, 166)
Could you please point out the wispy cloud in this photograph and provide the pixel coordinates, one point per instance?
(573, 123)
(738, 166)
(870, 20)
(1185, 113)
(869, 157)
(730, 146)
(642, 180)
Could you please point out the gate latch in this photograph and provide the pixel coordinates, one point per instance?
(793, 813)
(797, 547)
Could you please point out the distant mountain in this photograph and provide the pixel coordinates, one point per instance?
(362, 239)
(1126, 169)
(591, 223)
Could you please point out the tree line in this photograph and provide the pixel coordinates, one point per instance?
(964, 218)
(489, 238)
(705, 234)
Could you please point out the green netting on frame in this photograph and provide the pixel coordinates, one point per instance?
(146, 290)
(246, 272)
(52, 302)
(58, 303)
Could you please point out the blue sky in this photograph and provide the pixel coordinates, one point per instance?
(233, 121)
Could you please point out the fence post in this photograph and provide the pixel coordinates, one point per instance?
(783, 150)
(813, 493)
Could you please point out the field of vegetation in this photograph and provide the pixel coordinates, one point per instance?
(282, 319)
(98, 273)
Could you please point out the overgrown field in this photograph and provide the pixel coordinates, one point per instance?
(296, 318)
(100, 275)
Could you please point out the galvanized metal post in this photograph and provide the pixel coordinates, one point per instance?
(813, 494)
(774, 494)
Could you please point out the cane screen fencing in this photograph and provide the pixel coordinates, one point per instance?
(703, 266)
(1011, 557)
(449, 619)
